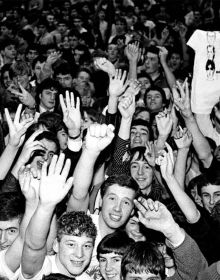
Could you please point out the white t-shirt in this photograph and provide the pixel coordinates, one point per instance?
(4, 269)
(49, 266)
(206, 73)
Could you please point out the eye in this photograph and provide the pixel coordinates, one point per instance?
(133, 166)
(88, 246)
(117, 260)
(70, 244)
(111, 198)
(51, 155)
(12, 230)
(102, 260)
(127, 203)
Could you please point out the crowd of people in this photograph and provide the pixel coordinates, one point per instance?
(109, 140)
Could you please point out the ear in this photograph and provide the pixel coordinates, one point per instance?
(40, 96)
(56, 246)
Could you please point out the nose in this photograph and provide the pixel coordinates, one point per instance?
(212, 201)
(117, 206)
(108, 266)
(45, 156)
(53, 95)
(79, 252)
(140, 170)
(3, 237)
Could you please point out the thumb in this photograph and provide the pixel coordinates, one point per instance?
(110, 131)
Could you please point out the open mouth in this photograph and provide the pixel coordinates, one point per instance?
(115, 218)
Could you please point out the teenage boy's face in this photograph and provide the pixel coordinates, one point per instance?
(9, 231)
(117, 205)
(141, 276)
(73, 254)
(110, 266)
(10, 51)
(210, 196)
(139, 136)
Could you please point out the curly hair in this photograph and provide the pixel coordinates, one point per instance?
(76, 224)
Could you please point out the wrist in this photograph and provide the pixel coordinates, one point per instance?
(175, 235)
(74, 133)
(93, 154)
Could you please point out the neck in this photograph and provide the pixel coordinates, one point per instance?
(104, 229)
(7, 60)
(147, 190)
(154, 75)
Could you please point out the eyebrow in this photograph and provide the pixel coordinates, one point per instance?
(123, 197)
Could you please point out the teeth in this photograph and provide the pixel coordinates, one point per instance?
(115, 217)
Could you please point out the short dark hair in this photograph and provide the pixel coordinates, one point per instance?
(76, 224)
(206, 179)
(7, 41)
(143, 257)
(39, 58)
(160, 90)
(63, 69)
(120, 179)
(117, 242)
(12, 206)
(48, 83)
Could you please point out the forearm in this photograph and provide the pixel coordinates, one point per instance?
(112, 105)
(185, 203)
(171, 80)
(36, 239)
(125, 127)
(200, 143)
(160, 142)
(6, 160)
(180, 166)
(83, 174)
(132, 74)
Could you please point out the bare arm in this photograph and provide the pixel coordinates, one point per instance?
(200, 143)
(185, 203)
(53, 188)
(97, 139)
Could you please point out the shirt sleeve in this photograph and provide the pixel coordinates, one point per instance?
(193, 41)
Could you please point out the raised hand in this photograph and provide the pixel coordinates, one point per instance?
(164, 123)
(182, 99)
(105, 65)
(30, 146)
(54, 185)
(163, 53)
(126, 106)
(166, 162)
(150, 153)
(183, 138)
(30, 192)
(154, 215)
(53, 57)
(117, 84)
(132, 52)
(24, 96)
(98, 137)
(133, 88)
(17, 128)
(71, 113)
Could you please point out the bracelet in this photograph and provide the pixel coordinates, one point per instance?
(75, 137)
